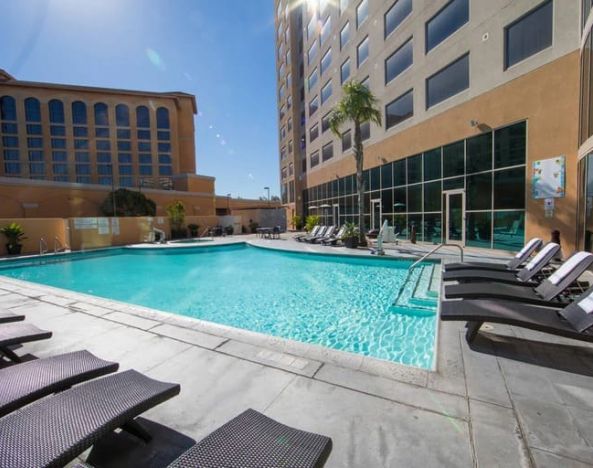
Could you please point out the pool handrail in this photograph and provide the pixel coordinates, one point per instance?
(424, 257)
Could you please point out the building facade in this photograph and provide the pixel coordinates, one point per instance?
(473, 94)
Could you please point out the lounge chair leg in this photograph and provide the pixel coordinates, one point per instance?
(10, 354)
(472, 330)
(133, 427)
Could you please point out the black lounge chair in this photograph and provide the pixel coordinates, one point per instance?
(546, 294)
(55, 430)
(523, 276)
(7, 317)
(316, 231)
(574, 321)
(333, 240)
(252, 440)
(12, 334)
(24, 383)
(328, 233)
(520, 258)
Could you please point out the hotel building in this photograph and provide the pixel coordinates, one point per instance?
(474, 95)
(63, 148)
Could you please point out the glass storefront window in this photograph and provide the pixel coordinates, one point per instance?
(432, 228)
(432, 164)
(414, 169)
(478, 229)
(479, 153)
(454, 159)
(479, 192)
(509, 189)
(509, 230)
(432, 196)
(509, 145)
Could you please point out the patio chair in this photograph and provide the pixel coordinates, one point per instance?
(24, 383)
(320, 233)
(313, 232)
(574, 321)
(333, 240)
(252, 440)
(520, 258)
(12, 334)
(328, 233)
(546, 294)
(523, 276)
(55, 430)
(7, 316)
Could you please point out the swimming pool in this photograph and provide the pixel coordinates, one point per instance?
(345, 303)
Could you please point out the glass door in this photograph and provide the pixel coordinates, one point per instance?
(376, 214)
(336, 214)
(455, 216)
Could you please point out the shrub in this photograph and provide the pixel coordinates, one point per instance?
(128, 203)
(311, 222)
(297, 222)
(176, 213)
(193, 229)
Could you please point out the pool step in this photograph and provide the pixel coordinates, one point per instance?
(415, 296)
(434, 287)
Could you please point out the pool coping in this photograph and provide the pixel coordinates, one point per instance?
(316, 354)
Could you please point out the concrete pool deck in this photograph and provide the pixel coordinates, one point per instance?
(518, 398)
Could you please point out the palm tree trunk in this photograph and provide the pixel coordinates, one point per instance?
(359, 157)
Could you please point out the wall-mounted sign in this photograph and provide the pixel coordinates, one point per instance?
(548, 178)
(549, 207)
(85, 223)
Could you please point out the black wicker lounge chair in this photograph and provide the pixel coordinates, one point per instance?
(546, 294)
(18, 333)
(317, 230)
(29, 381)
(55, 430)
(574, 321)
(517, 260)
(252, 440)
(523, 276)
(7, 317)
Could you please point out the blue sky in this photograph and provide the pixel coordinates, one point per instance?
(220, 50)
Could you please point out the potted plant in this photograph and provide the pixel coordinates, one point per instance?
(14, 234)
(193, 230)
(350, 235)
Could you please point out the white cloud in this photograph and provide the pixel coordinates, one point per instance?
(250, 176)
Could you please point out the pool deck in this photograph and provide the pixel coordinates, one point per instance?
(517, 398)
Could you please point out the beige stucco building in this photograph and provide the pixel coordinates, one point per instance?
(473, 94)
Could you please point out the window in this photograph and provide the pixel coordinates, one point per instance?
(32, 129)
(365, 131)
(102, 132)
(32, 110)
(529, 35)
(399, 61)
(313, 132)
(362, 51)
(326, 92)
(448, 82)
(144, 134)
(400, 109)
(7, 108)
(312, 26)
(314, 159)
(327, 152)
(124, 134)
(283, 152)
(79, 113)
(448, 20)
(56, 111)
(346, 140)
(101, 115)
(122, 115)
(398, 12)
(345, 71)
(142, 117)
(313, 106)
(165, 147)
(164, 159)
(509, 189)
(343, 5)
(345, 35)
(162, 118)
(432, 164)
(123, 145)
(35, 142)
(362, 12)
(145, 159)
(454, 159)
(59, 156)
(510, 145)
(326, 61)
(325, 30)
(479, 153)
(57, 130)
(586, 10)
(325, 122)
(102, 145)
(312, 53)
(312, 80)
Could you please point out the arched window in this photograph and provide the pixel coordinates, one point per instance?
(56, 111)
(142, 117)
(101, 116)
(32, 110)
(122, 115)
(162, 118)
(79, 113)
(7, 108)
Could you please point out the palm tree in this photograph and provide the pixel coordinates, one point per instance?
(358, 105)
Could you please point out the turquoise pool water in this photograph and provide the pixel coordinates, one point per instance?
(339, 302)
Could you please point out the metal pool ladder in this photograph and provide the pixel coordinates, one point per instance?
(424, 257)
(59, 247)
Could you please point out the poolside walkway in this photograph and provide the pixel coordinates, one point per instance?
(518, 398)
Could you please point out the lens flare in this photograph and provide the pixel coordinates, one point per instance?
(155, 58)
